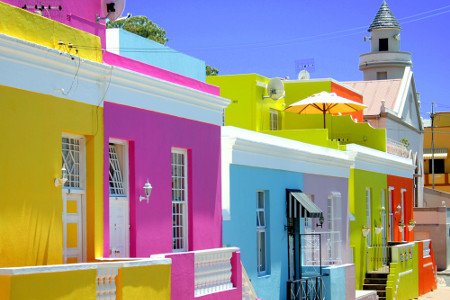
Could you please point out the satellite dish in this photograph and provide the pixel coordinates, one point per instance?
(275, 89)
(303, 75)
(112, 9)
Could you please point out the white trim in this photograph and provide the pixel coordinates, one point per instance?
(256, 149)
(380, 162)
(47, 71)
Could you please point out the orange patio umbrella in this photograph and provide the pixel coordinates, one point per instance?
(325, 102)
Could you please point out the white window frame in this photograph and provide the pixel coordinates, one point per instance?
(261, 229)
(391, 213)
(82, 166)
(274, 119)
(183, 202)
(122, 155)
(334, 216)
(369, 215)
(402, 216)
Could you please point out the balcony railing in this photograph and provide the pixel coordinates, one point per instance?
(101, 279)
(331, 248)
(397, 148)
(212, 270)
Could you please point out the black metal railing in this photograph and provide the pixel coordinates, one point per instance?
(308, 288)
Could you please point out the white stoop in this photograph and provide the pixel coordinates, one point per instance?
(366, 295)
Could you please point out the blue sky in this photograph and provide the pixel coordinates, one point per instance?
(268, 37)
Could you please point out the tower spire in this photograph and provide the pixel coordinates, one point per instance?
(384, 19)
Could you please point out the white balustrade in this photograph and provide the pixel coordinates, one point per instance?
(426, 248)
(106, 281)
(212, 269)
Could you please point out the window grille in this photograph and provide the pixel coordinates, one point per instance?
(274, 120)
(261, 233)
(179, 200)
(71, 153)
(116, 183)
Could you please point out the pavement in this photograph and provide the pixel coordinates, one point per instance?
(443, 290)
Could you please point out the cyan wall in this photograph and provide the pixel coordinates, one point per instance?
(240, 231)
(158, 55)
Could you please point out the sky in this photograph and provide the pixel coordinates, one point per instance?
(271, 37)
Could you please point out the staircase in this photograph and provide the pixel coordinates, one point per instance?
(376, 281)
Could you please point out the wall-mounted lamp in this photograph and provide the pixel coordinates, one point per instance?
(63, 179)
(321, 219)
(365, 231)
(147, 191)
(378, 229)
(398, 209)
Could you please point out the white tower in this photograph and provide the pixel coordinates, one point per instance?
(385, 61)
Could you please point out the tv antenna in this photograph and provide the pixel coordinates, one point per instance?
(304, 67)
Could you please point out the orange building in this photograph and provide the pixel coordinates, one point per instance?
(441, 134)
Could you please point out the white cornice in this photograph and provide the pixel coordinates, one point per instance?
(266, 151)
(43, 70)
(380, 162)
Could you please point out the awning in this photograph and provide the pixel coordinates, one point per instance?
(439, 153)
(307, 207)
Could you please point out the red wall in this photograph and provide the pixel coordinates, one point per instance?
(427, 269)
(399, 183)
(349, 94)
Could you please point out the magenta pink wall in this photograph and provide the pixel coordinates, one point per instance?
(183, 281)
(151, 137)
(130, 64)
(80, 14)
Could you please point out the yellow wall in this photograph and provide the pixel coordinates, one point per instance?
(146, 282)
(48, 33)
(56, 285)
(30, 152)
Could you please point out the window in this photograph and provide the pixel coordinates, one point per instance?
(381, 75)
(383, 45)
(179, 199)
(439, 166)
(368, 216)
(261, 233)
(116, 178)
(274, 120)
(334, 226)
(71, 157)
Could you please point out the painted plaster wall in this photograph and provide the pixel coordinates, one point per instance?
(77, 14)
(140, 67)
(359, 181)
(162, 57)
(240, 231)
(248, 109)
(321, 188)
(31, 229)
(151, 137)
(42, 31)
(399, 183)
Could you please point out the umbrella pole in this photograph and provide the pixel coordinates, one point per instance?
(324, 120)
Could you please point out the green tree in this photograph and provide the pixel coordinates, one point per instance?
(211, 71)
(141, 26)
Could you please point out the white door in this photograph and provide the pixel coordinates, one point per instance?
(74, 199)
(118, 200)
(73, 209)
(118, 227)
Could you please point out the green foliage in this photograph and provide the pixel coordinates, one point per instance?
(210, 71)
(405, 142)
(141, 26)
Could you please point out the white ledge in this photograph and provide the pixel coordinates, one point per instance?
(43, 70)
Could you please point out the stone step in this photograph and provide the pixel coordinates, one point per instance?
(377, 275)
(378, 287)
(375, 280)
